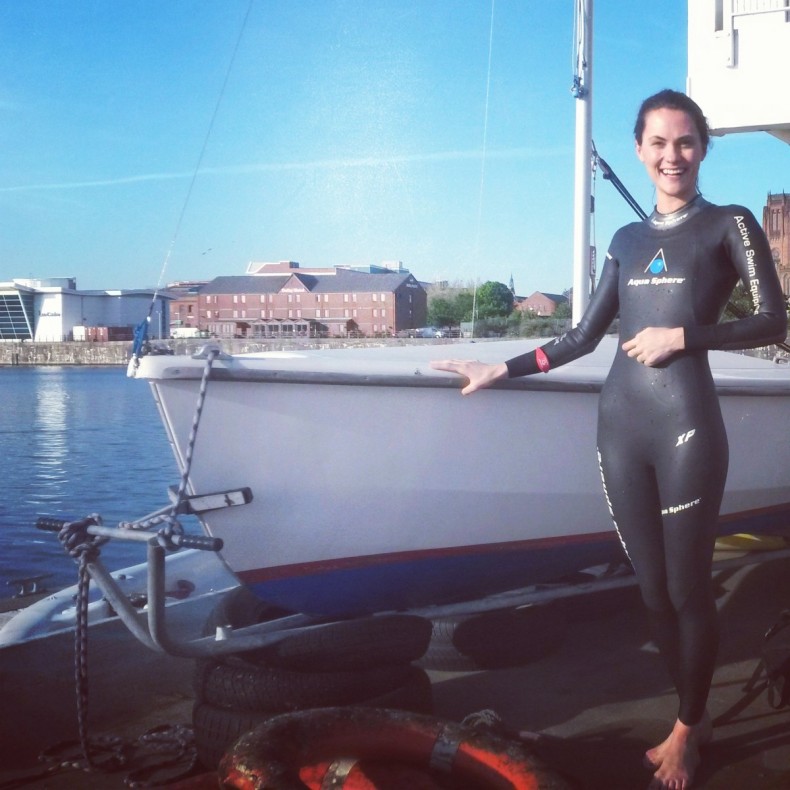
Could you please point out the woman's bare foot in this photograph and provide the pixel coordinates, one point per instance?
(677, 758)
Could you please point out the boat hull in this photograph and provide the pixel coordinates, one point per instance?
(377, 487)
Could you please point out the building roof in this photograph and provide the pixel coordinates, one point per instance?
(556, 298)
(341, 281)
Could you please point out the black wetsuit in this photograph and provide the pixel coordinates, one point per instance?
(661, 440)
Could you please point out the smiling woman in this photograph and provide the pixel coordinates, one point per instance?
(662, 447)
(671, 141)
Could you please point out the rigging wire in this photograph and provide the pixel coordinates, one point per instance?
(142, 329)
(483, 161)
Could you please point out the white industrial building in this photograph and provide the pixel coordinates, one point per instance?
(53, 310)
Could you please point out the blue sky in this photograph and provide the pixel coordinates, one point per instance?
(347, 132)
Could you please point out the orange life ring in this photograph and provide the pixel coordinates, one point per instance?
(271, 756)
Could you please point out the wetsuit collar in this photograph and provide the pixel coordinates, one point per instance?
(666, 221)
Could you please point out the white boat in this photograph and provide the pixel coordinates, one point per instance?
(376, 486)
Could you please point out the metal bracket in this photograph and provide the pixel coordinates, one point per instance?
(202, 503)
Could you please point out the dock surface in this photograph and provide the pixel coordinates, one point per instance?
(597, 700)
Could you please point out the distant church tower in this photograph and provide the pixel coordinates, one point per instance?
(776, 224)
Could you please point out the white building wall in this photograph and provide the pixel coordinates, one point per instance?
(58, 312)
(738, 61)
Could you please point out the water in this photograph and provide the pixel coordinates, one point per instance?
(75, 441)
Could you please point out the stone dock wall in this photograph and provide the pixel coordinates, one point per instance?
(118, 352)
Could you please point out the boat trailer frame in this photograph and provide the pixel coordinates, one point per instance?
(153, 630)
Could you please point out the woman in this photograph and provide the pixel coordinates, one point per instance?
(661, 441)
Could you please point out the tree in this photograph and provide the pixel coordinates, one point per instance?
(494, 300)
(740, 303)
(450, 309)
(442, 312)
(564, 310)
(463, 305)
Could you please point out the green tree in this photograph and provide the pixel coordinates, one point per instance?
(463, 305)
(494, 300)
(564, 310)
(442, 312)
(740, 303)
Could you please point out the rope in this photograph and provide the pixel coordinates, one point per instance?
(211, 355)
(106, 754)
(169, 518)
(483, 159)
(141, 331)
(84, 548)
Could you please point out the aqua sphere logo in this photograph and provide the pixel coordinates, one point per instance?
(658, 264)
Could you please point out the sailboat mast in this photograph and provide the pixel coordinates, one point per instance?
(582, 91)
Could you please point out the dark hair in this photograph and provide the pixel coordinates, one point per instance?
(673, 100)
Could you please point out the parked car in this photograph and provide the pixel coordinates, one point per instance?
(426, 331)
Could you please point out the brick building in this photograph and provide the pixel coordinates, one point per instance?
(542, 303)
(776, 224)
(282, 299)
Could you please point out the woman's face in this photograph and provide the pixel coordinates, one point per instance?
(671, 150)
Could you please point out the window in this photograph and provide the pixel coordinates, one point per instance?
(235, 298)
(263, 298)
(345, 313)
(317, 313)
(375, 297)
(383, 297)
(244, 298)
(345, 297)
(208, 313)
(375, 311)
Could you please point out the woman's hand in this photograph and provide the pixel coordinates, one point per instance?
(479, 374)
(653, 345)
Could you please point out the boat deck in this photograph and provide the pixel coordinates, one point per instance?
(599, 699)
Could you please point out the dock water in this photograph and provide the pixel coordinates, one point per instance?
(597, 700)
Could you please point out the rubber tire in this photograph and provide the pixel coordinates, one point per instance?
(233, 683)
(216, 729)
(241, 607)
(361, 643)
(358, 644)
(494, 640)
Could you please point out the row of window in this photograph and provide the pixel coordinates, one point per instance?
(382, 313)
(242, 298)
(286, 329)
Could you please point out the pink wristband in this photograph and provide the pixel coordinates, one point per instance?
(542, 360)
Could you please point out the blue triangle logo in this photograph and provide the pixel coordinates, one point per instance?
(658, 264)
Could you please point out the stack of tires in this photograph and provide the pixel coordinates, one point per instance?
(361, 662)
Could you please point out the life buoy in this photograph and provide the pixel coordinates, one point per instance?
(272, 755)
(217, 729)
